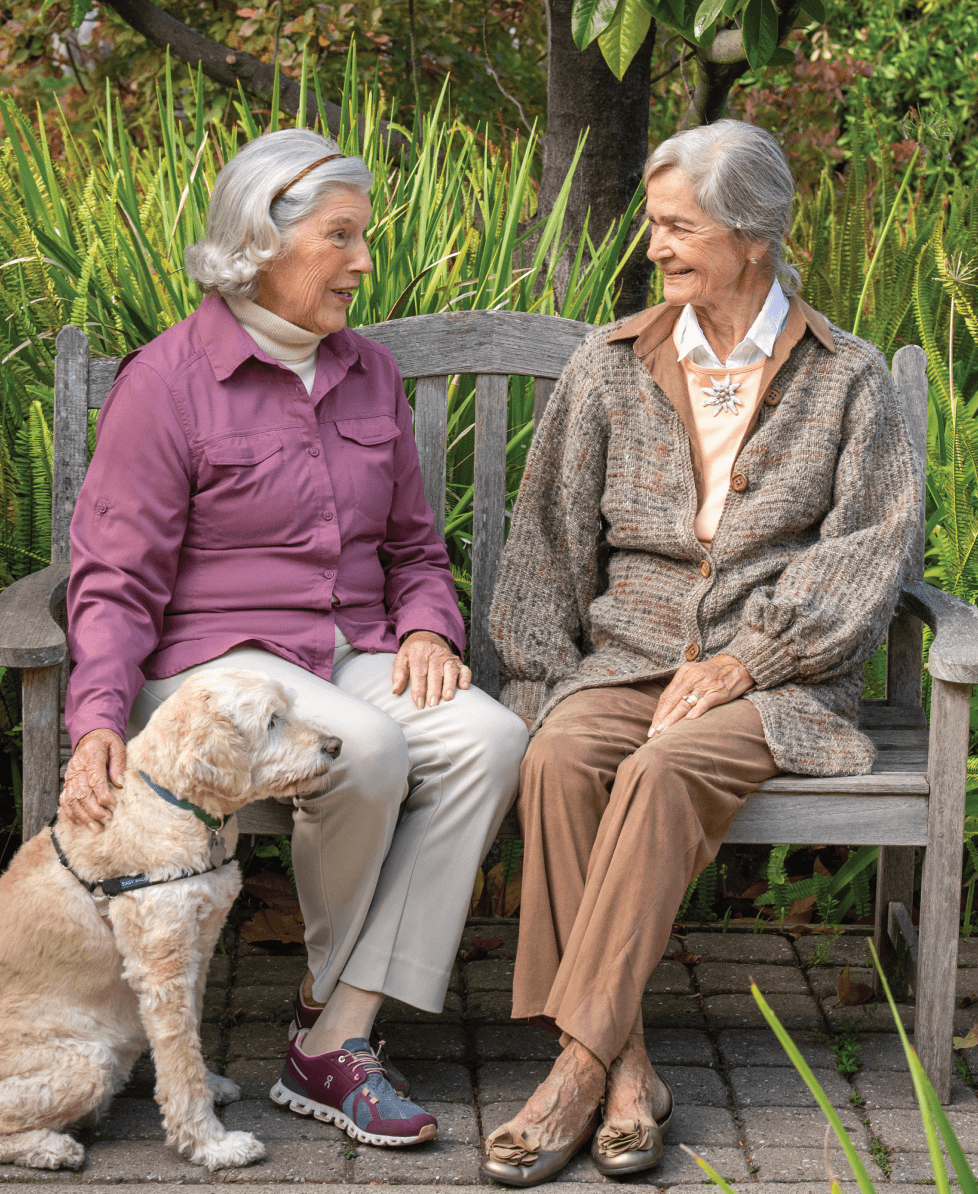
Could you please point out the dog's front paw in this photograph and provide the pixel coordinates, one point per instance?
(223, 1089)
(50, 1150)
(229, 1151)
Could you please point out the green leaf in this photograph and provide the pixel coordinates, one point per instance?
(706, 15)
(760, 32)
(78, 10)
(589, 18)
(781, 57)
(620, 42)
(815, 9)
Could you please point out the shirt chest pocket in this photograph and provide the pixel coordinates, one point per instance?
(366, 463)
(244, 496)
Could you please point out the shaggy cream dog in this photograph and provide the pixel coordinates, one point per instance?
(82, 992)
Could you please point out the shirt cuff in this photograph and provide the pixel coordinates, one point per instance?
(769, 663)
(84, 724)
(525, 698)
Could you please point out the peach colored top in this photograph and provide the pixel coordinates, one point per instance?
(719, 434)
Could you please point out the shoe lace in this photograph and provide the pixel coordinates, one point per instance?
(366, 1064)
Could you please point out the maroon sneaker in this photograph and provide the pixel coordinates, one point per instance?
(348, 1088)
(304, 1017)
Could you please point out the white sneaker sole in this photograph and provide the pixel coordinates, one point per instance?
(303, 1105)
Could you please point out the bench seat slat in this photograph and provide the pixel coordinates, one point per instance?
(887, 820)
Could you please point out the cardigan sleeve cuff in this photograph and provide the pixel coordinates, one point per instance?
(525, 698)
(769, 663)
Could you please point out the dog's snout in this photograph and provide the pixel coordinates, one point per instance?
(331, 747)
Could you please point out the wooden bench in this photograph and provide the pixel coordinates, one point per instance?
(915, 795)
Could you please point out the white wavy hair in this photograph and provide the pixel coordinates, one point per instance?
(741, 180)
(244, 230)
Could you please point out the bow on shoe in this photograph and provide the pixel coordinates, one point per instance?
(512, 1148)
(632, 1136)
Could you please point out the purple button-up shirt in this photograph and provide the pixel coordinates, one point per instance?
(226, 505)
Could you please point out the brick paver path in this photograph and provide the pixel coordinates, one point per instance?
(739, 1103)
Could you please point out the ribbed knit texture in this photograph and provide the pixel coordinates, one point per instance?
(295, 347)
(601, 581)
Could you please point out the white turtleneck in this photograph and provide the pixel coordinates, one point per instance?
(297, 348)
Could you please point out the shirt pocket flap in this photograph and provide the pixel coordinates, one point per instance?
(376, 430)
(243, 449)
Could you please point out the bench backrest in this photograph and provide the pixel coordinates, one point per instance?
(492, 345)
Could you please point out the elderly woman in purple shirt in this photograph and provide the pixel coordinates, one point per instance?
(255, 501)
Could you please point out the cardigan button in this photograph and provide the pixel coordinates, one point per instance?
(691, 652)
(313, 451)
(705, 568)
(738, 482)
(773, 397)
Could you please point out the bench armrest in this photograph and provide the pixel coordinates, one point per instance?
(954, 652)
(29, 635)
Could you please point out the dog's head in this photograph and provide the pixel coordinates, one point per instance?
(228, 737)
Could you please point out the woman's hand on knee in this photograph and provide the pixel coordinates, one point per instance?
(429, 663)
(712, 682)
(99, 759)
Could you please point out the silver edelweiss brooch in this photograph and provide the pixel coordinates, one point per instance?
(722, 395)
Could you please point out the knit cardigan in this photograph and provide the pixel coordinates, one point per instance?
(603, 581)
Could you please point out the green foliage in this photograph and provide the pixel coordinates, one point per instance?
(846, 1049)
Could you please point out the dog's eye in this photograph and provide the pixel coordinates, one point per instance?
(272, 724)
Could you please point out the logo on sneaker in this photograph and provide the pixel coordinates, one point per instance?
(329, 1079)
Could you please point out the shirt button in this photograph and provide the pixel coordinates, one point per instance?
(772, 397)
(691, 652)
(705, 568)
(329, 574)
(328, 515)
(313, 451)
(738, 482)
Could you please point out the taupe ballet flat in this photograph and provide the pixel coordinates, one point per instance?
(519, 1160)
(633, 1149)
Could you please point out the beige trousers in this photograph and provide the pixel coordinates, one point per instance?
(615, 828)
(386, 860)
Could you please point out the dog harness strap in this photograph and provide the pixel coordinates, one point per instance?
(121, 883)
(168, 796)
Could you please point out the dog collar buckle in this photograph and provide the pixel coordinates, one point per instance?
(101, 901)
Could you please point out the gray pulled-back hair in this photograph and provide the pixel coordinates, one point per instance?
(245, 230)
(741, 180)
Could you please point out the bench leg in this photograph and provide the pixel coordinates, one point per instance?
(894, 884)
(940, 892)
(42, 759)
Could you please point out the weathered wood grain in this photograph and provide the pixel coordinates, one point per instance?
(900, 760)
(898, 738)
(873, 716)
(70, 457)
(30, 636)
(265, 816)
(489, 505)
(39, 695)
(504, 342)
(940, 889)
(430, 423)
(894, 884)
(902, 932)
(799, 816)
(101, 375)
(954, 651)
(874, 784)
(543, 387)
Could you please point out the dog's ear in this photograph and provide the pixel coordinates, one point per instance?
(212, 765)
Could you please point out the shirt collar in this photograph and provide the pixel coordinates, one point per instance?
(228, 345)
(650, 327)
(762, 335)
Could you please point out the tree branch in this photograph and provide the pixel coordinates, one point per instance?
(721, 64)
(229, 67)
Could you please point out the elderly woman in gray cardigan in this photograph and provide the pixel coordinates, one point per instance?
(706, 547)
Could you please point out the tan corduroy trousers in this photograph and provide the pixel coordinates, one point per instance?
(615, 828)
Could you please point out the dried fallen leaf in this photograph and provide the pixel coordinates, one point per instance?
(480, 882)
(274, 890)
(852, 994)
(684, 956)
(272, 924)
(966, 1042)
(820, 868)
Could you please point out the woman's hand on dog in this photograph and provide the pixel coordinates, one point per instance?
(87, 799)
(433, 668)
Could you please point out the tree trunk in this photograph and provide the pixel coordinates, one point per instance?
(582, 93)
